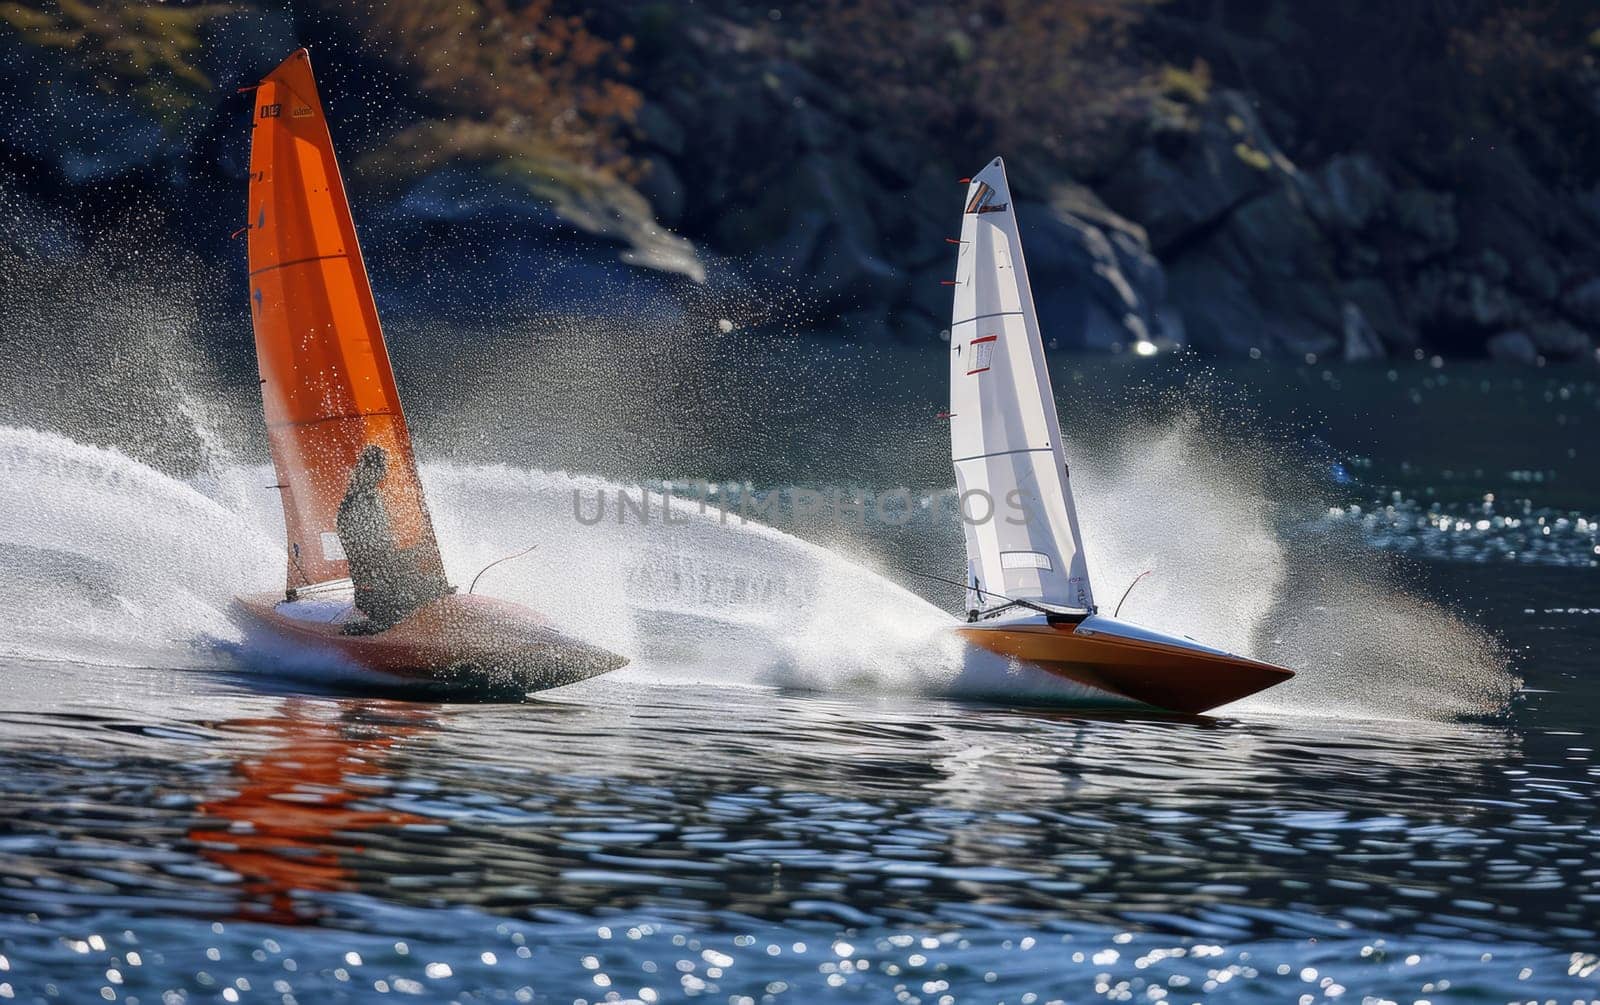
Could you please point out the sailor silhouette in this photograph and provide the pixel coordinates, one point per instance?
(389, 580)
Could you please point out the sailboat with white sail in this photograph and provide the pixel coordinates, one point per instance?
(1029, 597)
(366, 600)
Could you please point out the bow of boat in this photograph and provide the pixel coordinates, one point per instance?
(1165, 671)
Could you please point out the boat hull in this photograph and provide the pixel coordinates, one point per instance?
(1132, 663)
(459, 646)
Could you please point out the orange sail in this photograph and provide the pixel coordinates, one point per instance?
(326, 385)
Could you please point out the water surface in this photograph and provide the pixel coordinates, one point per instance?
(792, 795)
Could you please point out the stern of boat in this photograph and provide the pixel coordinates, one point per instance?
(460, 646)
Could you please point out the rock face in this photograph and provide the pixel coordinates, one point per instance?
(467, 234)
(756, 175)
(1352, 259)
(1096, 284)
(1256, 248)
(803, 198)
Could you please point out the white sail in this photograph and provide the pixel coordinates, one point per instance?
(1021, 526)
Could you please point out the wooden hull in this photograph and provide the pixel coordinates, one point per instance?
(1163, 672)
(459, 646)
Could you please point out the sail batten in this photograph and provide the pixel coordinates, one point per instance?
(298, 261)
(328, 391)
(1003, 453)
(983, 317)
(1022, 535)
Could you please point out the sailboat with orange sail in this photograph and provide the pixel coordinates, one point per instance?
(366, 600)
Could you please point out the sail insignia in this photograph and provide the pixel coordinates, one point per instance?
(982, 201)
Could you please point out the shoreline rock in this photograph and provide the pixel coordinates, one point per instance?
(1201, 232)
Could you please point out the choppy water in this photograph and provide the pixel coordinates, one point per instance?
(175, 832)
(799, 791)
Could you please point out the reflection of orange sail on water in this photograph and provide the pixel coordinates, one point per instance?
(325, 377)
(298, 810)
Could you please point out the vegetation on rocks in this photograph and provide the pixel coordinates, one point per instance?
(500, 80)
(148, 48)
(1024, 77)
(1355, 179)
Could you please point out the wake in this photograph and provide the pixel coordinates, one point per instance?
(1224, 524)
(113, 562)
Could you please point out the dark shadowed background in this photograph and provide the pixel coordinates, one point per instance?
(1351, 180)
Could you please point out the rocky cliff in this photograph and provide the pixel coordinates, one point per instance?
(800, 165)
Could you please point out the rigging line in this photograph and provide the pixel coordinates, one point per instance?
(294, 550)
(496, 562)
(1130, 590)
(985, 591)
